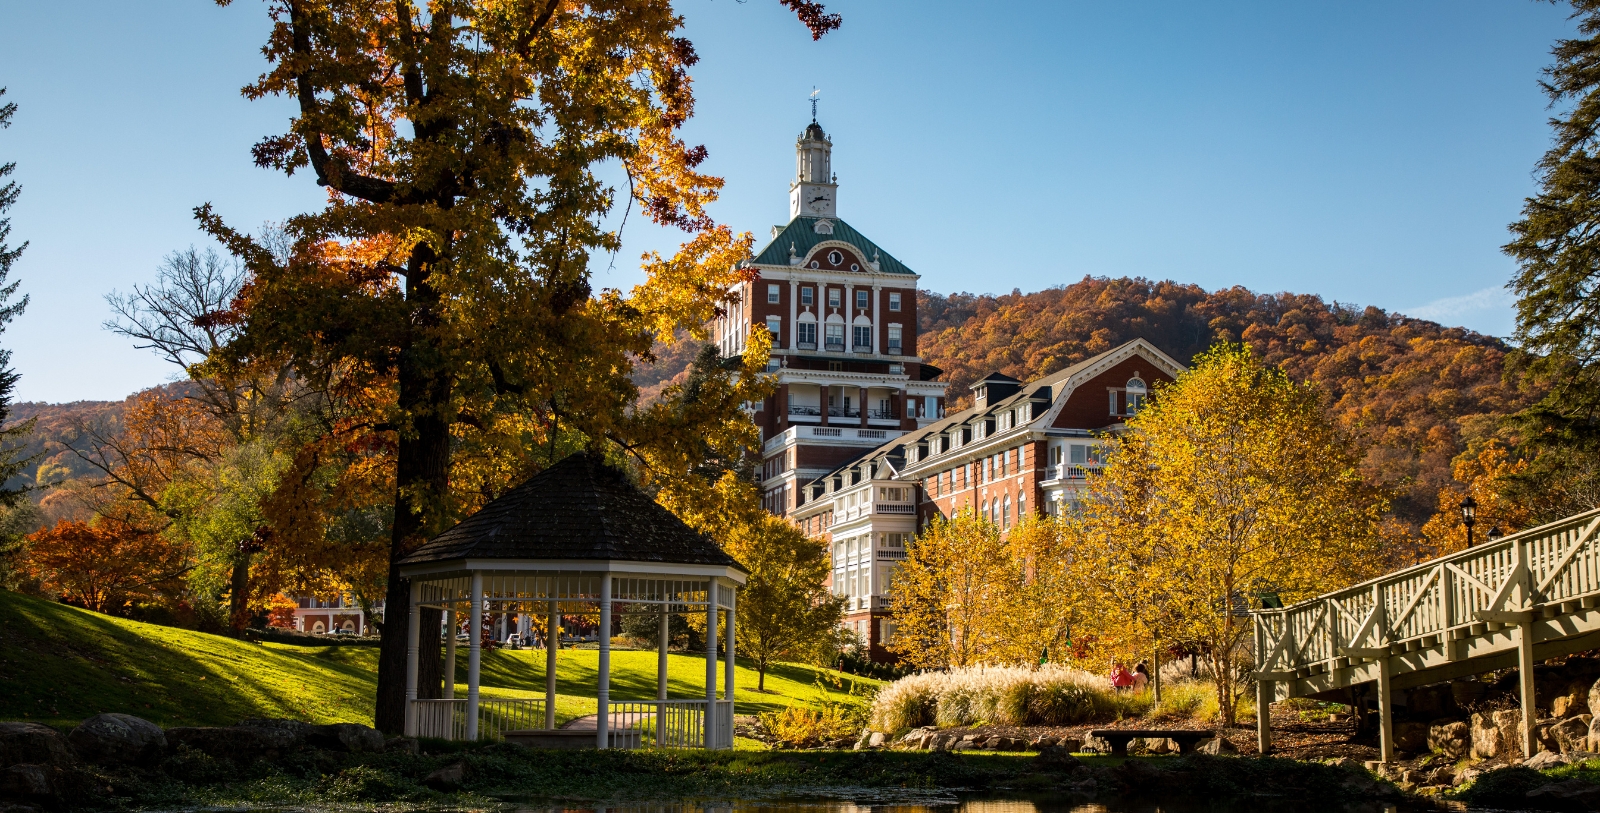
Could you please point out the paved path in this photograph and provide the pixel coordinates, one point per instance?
(619, 720)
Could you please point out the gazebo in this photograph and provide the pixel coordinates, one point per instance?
(575, 538)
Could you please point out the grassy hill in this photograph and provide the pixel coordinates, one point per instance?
(60, 664)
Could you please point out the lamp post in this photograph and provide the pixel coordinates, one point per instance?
(1495, 533)
(1469, 516)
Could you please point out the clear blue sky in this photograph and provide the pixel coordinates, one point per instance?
(1369, 152)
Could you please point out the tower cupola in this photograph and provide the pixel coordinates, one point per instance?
(814, 190)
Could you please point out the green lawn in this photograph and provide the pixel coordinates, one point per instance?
(60, 664)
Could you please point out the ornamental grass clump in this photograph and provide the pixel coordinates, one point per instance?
(1052, 695)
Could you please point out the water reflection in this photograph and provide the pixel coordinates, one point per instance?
(953, 804)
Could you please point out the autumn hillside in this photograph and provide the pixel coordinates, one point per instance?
(1413, 391)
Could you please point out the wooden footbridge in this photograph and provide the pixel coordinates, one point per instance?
(1506, 603)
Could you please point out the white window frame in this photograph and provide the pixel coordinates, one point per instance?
(894, 301)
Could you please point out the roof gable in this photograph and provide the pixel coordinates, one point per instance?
(580, 508)
(802, 235)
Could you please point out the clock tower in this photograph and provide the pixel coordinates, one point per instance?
(814, 192)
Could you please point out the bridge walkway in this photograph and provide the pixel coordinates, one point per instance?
(1505, 603)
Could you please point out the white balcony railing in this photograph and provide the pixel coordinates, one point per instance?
(447, 719)
(892, 508)
(674, 723)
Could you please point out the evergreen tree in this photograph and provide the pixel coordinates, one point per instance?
(1557, 246)
(12, 461)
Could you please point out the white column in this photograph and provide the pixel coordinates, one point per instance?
(603, 702)
(794, 314)
(849, 319)
(661, 675)
(711, 662)
(878, 339)
(728, 666)
(552, 642)
(413, 650)
(474, 650)
(450, 655)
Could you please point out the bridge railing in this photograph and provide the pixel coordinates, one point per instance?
(1548, 570)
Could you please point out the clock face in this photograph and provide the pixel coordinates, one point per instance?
(817, 200)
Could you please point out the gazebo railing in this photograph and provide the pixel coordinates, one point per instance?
(447, 719)
(674, 723)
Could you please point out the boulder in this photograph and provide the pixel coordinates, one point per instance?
(123, 739)
(1055, 756)
(447, 778)
(29, 782)
(1410, 736)
(1453, 741)
(1070, 744)
(352, 737)
(1544, 761)
(1040, 743)
(283, 735)
(32, 743)
(1467, 693)
(876, 740)
(1216, 746)
(1497, 733)
(965, 745)
(1571, 702)
(233, 743)
(1571, 733)
(1431, 702)
(1094, 745)
(1594, 697)
(1573, 794)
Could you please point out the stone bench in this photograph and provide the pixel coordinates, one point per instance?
(1119, 738)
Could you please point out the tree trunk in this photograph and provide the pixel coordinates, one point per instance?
(422, 480)
(239, 592)
(761, 676)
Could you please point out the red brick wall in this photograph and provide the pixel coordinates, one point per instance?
(1089, 407)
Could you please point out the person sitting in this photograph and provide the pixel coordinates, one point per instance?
(1141, 676)
(1121, 678)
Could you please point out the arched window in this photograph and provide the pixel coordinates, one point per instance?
(1137, 394)
(1005, 515)
(984, 510)
(1022, 506)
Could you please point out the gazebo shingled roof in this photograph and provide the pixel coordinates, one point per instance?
(579, 509)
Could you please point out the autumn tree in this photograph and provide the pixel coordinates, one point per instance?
(1045, 592)
(103, 566)
(785, 613)
(1488, 475)
(946, 589)
(460, 145)
(1235, 482)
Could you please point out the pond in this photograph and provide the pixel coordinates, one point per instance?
(934, 802)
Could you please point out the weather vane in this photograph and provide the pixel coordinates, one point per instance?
(814, 94)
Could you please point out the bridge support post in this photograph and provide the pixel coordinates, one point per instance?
(1264, 692)
(1385, 713)
(1525, 683)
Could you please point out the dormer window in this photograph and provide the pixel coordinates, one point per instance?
(1138, 393)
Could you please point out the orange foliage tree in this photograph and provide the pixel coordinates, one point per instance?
(104, 566)
(1485, 476)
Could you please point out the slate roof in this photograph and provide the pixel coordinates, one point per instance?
(802, 234)
(580, 508)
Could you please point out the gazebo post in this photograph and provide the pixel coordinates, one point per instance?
(552, 641)
(474, 652)
(413, 651)
(661, 674)
(728, 666)
(450, 654)
(711, 662)
(602, 722)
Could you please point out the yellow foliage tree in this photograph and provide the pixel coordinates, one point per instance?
(785, 613)
(945, 589)
(1234, 483)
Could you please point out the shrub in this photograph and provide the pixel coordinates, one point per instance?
(1052, 695)
(799, 727)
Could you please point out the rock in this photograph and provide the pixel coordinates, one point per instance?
(1467, 693)
(123, 739)
(1070, 744)
(876, 740)
(1497, 733)
(1573, 794)
(1216, 746)
(447, 778)
(402, 745)
(1431, 702)
(1468, 775)
(1453, 741)
(234, 743)
(1056, 756)
(1041, 743)
(1571, 702)
(1157, 745)
(282, 735)
(1545, 760)
(1095, 745)
(28, 781)
(352, 737)
(32, 743)
(1571, 734)
(842, 742)
(1410, 737)
(965, 745)
(1594, 697)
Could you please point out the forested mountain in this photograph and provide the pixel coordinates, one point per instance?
(1412, 391)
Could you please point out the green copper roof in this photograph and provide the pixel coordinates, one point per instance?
(802, 234)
